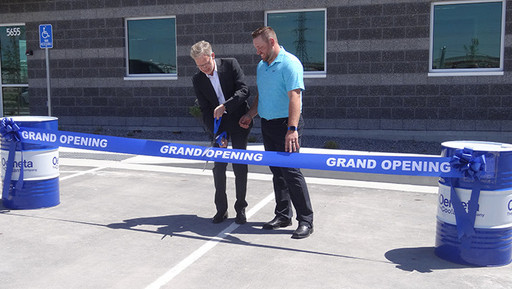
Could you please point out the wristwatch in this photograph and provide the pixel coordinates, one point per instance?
(292, 128)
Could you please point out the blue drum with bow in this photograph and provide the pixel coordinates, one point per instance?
(30, 172)
(474, 216)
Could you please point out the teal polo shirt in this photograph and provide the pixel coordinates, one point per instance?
(274, 81)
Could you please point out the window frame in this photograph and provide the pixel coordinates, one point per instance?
(10, 85)
(307, 74)
(152, 76)
(467, 71)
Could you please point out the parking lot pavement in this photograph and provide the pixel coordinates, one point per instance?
(142, 222)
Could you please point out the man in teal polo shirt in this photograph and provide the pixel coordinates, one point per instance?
(279, 104)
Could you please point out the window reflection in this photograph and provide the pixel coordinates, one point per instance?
(14, 61)
(15, 101)
(152, 46)
(301, 33)
(467, 36)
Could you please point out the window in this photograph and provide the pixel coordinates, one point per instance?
(151, 48)
(467, 38)
(302, 33)
(14, 98)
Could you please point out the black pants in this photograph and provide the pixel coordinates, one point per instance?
(238, 141)
(289, 184)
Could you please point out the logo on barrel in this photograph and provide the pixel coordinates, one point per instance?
(445, 204)
(55, 163)
(36, 164)
(26, 164)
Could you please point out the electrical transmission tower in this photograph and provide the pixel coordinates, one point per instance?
(300, 43)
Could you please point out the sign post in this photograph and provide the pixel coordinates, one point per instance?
(46, 41)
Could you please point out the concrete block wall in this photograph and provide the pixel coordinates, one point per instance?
(377, 65)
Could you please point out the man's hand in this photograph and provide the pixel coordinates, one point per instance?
(291, 142)
(224, 143)
(245, 121)
(219, 111)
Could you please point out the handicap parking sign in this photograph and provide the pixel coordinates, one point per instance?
(45, 36)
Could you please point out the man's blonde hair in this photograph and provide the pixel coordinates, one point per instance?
(201, 48)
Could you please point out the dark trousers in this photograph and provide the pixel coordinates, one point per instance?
(238, 141)
(289, 184)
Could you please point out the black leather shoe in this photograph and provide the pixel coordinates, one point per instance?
(303, 231)
(240, 218)
(277, 222)
(219, 218)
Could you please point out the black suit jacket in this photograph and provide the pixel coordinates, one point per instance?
(236, 93)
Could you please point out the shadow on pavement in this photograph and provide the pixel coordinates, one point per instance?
(173, 225)
(178, 225)
(421, 259)
(183, 225)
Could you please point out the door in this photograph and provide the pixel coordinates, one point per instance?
(14, 98)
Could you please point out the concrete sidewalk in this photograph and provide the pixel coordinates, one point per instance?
(143, 222)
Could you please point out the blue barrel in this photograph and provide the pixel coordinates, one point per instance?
(491, 245)
(40, 164)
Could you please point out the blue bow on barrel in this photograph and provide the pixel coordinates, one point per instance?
(470, 167)
(10, 131)
(473, 168)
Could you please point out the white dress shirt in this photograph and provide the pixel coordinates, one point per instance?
(214, 79)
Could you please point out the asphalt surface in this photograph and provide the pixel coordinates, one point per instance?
(128, 221)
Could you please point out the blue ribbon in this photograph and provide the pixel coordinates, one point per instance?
(472, 167)
(10, 131)
(374, 164)
(216, 125)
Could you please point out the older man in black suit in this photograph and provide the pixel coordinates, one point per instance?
(222, 94)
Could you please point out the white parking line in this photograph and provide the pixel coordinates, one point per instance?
(190, 259)
(81, 173)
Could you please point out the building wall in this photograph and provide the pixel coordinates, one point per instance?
(377, 65)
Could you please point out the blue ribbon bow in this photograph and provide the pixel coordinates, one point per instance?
(10, 131)
(470, 167)
(473, 168)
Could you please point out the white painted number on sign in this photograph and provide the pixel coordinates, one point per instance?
(13, 32)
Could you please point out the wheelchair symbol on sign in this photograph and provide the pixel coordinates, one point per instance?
(45, 34)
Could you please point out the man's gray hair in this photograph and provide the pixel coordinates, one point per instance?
(200, 48)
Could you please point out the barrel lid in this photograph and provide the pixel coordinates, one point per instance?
(30, 118)
(478, 145)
